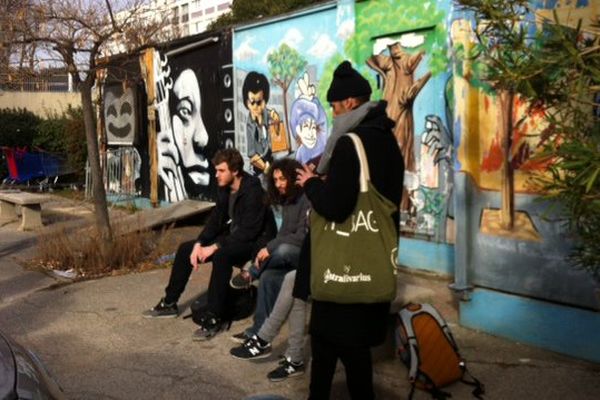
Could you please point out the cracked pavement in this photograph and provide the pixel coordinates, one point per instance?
(93, 339)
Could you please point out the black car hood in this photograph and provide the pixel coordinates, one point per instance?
(23, 375)
(7, 370)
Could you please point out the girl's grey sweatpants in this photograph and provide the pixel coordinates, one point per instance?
(293, 309)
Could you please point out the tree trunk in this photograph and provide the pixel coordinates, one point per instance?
(98, 192)
(507, 183)
(287, 120)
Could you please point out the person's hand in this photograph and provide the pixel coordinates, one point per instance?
(201, 253)
(195, 255)
(207, 252)
(304, 174)
(262, 255)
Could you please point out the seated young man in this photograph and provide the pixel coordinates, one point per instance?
(240, 220)
(281, 254)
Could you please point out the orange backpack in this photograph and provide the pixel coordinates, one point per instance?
(427, 347)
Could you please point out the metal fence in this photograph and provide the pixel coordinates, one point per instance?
(43, 82)
(121, 173)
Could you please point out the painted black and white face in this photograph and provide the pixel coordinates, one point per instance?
(119, 115)
(189, 133)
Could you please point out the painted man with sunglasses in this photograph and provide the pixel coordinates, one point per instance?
(256, 95)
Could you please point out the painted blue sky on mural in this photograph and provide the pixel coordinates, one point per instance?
(313, 35)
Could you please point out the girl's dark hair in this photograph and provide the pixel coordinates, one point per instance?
(288, 167)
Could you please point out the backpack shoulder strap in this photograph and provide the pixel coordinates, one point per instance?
(406, 317)
(479, 389)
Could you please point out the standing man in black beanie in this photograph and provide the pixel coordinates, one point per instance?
(348, 331)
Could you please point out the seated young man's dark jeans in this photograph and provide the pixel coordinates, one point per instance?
(223, 261)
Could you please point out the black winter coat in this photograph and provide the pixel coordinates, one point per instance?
(252, 218)
(335, 198)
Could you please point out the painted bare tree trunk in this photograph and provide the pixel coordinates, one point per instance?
(507, 184)
(400, 91)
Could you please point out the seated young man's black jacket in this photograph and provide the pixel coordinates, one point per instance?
(252, 218)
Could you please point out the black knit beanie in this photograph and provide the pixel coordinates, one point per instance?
(347, 82)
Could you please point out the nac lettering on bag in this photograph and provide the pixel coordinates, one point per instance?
(361, 220)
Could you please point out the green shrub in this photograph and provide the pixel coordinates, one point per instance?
(51, 134)
(18, 127)
(62, 134)
(74, 140)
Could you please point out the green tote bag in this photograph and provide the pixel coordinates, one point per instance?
(354, 261)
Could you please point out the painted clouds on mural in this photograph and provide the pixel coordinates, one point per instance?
(292, 38)
(252, 46)
(323, 48)
(245, 51)
(345, 19)
(346, 30)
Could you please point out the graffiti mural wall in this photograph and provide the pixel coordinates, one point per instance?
(283, 69)
(403, 45)
(279, 70)
(529, 256)
(124, 135)
(195, 118)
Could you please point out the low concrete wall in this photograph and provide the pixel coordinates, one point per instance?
(40, 103)
(567, 330)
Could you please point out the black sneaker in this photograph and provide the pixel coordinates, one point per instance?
(286, 369)
(162, 310)
(240, 337)
(211, 327)
(252, 349)
(241, 280)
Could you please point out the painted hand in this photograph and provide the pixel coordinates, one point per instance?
(306, 89)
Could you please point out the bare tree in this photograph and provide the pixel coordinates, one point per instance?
(76, 34)
(9, 51)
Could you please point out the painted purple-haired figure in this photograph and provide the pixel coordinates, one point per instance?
(308, 124)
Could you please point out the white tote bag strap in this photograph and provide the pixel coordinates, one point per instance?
(365, 175)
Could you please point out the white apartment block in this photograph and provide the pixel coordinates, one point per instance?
(184, 18)
(190, 17)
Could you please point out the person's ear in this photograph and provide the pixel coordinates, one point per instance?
(353, 103)
(348, 103)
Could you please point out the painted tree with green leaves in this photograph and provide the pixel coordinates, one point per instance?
(555, 67)
(505, 47)
(396, 17)
(285, 65)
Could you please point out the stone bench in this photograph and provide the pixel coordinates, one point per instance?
(31, 208)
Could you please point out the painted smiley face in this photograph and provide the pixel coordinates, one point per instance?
(119, 115)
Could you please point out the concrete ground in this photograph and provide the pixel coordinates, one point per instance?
(93, 339)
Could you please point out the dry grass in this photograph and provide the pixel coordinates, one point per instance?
(81, 251)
